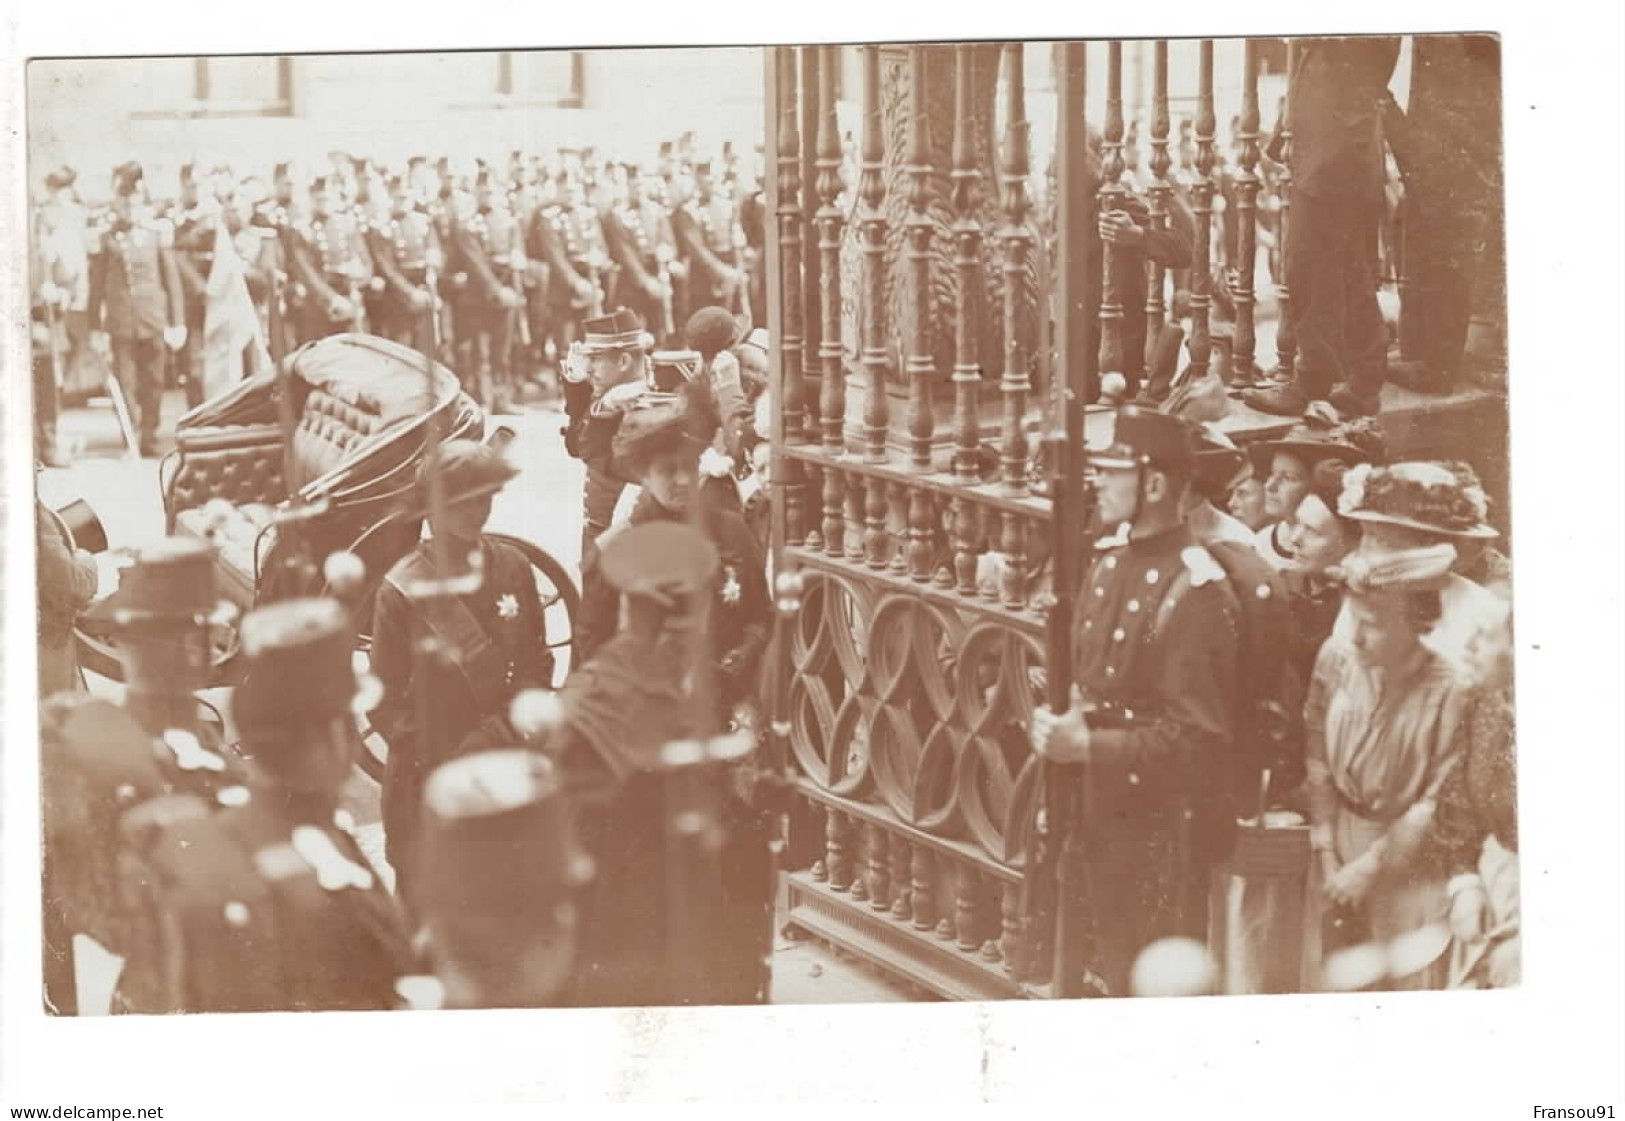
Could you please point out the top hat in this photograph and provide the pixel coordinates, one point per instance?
(619, 330)
(659, 559)
(301, 667)
(465, 469)
(126, 178)
(61, 179)
(712, 330)
(1147, 437)
(1440, 498)
(171, 583)
(496, 838)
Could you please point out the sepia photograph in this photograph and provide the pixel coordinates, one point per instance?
(904, 522)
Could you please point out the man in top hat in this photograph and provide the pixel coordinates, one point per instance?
(488, 266)
(268, 903)
(1417, 505)
(405, 251)
(99, 760)
(638, 234)
(135, 306)
(487, 628)
(610, 368)
(680, 912)
(329, 265)
(659, 446)
(709, 245)
(500, 880)
(1157, 660)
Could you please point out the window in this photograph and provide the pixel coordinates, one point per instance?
(541, 77)
(236, 86)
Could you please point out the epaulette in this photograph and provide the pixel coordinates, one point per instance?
(1204, 569)
(1115, 540)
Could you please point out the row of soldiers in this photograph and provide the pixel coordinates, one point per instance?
(546, 848)
(493, 270)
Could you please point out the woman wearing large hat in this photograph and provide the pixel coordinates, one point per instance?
(1286, 467)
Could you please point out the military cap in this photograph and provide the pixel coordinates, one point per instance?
(496, 838)
(1440, 498)
(656, 423)
(658, 559)
(466, 469)
(669, 370)
(171, 582)
(61, 179)
(301, 667)
(126, 178)
(711, 330)
(1147, 437)
(621, 329)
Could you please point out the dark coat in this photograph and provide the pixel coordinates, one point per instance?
(135, 286)
(1335, 106)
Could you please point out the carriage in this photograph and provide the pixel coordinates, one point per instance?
(278, 487)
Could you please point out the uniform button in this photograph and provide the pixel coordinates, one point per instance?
(1119, 635)
(1111, 671)
(1111, 562)
(1133, 607)
(1263, 591)
(1151, 576)
(237, 913)
(1133, 779)
(1100, 592)
(1088, 625)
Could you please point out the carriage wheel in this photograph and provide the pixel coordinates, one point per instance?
(561, 603)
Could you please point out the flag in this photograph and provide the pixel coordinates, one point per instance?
(230, 323)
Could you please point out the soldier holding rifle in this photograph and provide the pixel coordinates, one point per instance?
(1153, 720)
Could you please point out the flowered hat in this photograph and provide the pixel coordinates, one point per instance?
(1442, 498)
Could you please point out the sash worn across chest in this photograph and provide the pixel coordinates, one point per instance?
(478, 659)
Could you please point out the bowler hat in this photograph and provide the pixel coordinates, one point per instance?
(621, 329)
(171, 583)
(1148, 437)
(711, 330)
(496, 838)
(301, 667)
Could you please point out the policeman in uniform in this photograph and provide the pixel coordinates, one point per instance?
(136, 307)
(614, 358)
(681, 910)
(100, 760)
(501, 876)
(329, 265)
(487, 631)
(709, 243)
(640, 240)
(488, 272)
(268, 903)
(405, 251)
(1157, 661)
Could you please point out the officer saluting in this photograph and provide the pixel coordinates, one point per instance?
(1157, 662)
(269, 903)
(100, 760)
(136, 307)
(610, 367)
(500, 882)
(492, 637)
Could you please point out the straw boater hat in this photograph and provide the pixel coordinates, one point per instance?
(302, 667)
(1440, 498)
(171, 584)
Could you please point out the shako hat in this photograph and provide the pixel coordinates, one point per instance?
(172, 582)
(496, 838)
(621, 329)
(1147, 437)
(301, 667)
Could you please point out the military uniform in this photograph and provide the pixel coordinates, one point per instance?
(569, 236)
(405, 250)
(134, 296)
(590, 429)
(497, 646)
(268, 903)
(488, 271)
(640, 239)
(194, 223)
(709, 243)
(330, 269)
